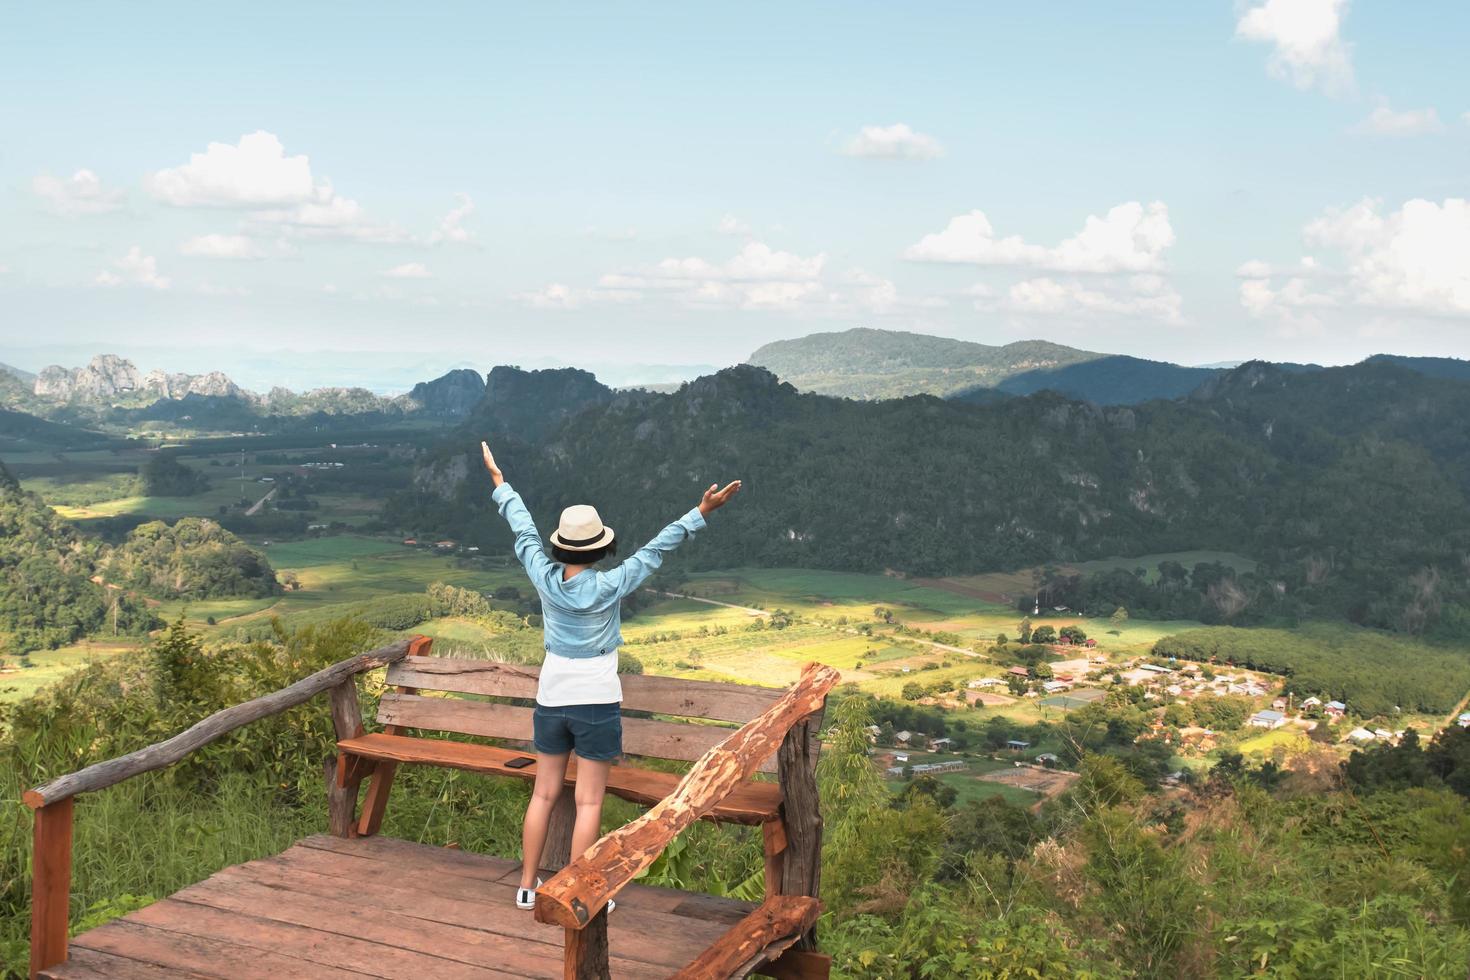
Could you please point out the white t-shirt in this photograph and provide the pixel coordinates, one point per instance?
(579, 680)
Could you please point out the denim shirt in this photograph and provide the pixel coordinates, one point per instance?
(582, 617)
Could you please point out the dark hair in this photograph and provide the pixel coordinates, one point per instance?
(584, 557)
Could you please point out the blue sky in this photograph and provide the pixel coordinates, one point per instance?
(616, 185)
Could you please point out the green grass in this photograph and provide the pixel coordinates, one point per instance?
(1291, 739)
(970, 789)
(19, 683)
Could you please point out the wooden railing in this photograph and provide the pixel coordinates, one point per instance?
(576, 897)
(52, 801)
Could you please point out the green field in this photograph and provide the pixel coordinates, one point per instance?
(47, 666)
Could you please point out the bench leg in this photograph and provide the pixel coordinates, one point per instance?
(557, 853)
(376, 801)
(773, 841)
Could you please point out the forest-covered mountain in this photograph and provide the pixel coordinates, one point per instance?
(110, 388)
(47, 593)
(1348, 484)
(192, 557)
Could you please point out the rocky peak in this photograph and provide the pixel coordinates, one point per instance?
(454, 394)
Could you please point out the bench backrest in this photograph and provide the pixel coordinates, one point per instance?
(684, 741)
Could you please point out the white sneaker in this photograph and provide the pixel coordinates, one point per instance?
(526, 897)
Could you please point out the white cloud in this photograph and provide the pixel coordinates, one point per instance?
(216, 246)
(896, 142)
(1129, 238)
(559, 296)
(252, 173)
(329, 215)
(450, 229)
(81, 193)
(133, 269)
(408, 270)
(1145, 295)
(1414, 260)
(1306, 39)
(279, 190)
(731, 225)
(1384, 121)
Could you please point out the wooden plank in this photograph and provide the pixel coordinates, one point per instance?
(759, 937)
(584, 886)
(50, 884)
(641, 692)
(480, 924)
(435, 868)
(641, 736)
(750, 802)
(199, 955)
(797, 964)
(801, 815)
(586, 951)
(90, 964)
(346, 932)
(166, 753)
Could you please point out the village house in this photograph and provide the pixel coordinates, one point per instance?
(941, 744)
(984, 682)
(1267, 719)
(903, 737)
(1360, 735)
(1019, 672)
(1053, 687)
(1047, 759)
(1312, 702)
(1334, 709)
(1465, 720)
(1018, 745)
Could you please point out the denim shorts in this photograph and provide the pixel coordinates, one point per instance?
(595, 731)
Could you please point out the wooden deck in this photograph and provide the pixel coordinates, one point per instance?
(379, 907)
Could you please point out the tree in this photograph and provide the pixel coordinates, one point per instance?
(1120, 615)
(1024, 632)
(1044, 634)
(1016, 685)
(1000, 639)
(1074, 634)
(913, 691)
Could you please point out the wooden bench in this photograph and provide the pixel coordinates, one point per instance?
(405, 707)
(775, 938)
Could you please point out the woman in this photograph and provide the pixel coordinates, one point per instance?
(578, 699)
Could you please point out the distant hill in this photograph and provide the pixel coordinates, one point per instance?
(18, 373)
(876, 364)
(871, 364)
(1434, 367)
(1116, 379)
(110, 388)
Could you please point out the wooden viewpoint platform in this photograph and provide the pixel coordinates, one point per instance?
(378, 907)
(354, 904)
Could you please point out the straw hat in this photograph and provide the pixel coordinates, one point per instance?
(581, 529)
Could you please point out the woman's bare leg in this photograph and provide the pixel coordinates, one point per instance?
(551, 772)
(591, 787)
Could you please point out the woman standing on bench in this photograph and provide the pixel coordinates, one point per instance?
(578, 699)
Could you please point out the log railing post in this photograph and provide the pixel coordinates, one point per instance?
(586, 951)
(344, 778)
(801, 814)
(51, 884)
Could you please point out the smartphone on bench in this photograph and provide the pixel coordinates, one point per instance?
(520, 762)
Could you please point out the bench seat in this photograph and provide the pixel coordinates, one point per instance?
(751, 803)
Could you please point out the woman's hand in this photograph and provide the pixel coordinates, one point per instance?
(495, 475)
(714, 499)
